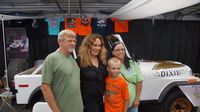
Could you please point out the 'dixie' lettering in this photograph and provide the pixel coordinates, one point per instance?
(168, 73)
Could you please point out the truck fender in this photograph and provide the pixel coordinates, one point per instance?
(171, 87)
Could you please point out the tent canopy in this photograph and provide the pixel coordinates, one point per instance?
(8, 17)
(139, 9)
(126, 9)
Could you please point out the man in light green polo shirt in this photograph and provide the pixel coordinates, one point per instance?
(61, 76)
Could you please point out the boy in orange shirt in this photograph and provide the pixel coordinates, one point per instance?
(116, 94)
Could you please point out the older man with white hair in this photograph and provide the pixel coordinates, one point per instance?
(61, 76)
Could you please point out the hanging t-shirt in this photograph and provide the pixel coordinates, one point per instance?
(121, 26)
(84, 26)
(54, 25)
(35, 29)
(72, 24)
(102, 26)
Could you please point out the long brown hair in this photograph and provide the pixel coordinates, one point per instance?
(85, 50)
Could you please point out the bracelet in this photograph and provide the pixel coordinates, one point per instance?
(138, 97)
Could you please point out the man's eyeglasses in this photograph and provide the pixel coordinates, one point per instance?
(117, 50)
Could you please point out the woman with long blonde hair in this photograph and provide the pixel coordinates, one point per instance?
(92, 62)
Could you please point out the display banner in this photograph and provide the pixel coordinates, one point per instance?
(16, 43)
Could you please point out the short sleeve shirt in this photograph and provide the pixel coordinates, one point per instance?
(63, 75)
(132, 74)
(116, 94)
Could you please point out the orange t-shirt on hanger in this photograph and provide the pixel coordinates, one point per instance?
(121, 26)
(72, 24)
(84, 26)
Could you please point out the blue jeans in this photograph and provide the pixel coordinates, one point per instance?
(133, 109)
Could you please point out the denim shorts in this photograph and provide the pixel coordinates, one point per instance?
(133, 109)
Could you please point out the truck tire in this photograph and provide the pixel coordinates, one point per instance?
(37, 97)
(176, 101)
(16, 66)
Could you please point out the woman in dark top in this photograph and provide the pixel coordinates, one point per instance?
(92, 62)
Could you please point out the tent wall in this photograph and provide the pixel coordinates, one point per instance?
(166, 40)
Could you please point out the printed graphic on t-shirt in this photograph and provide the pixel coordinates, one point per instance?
(53, 22)
(101, 23)
(71, 23)
(85, 22)
(111, 92)
(102, 26)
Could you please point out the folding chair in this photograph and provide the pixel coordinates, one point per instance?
(5, 97)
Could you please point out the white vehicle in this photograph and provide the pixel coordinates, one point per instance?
(165, 82)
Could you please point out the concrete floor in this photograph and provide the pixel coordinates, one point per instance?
(17, 108)
(22, 108)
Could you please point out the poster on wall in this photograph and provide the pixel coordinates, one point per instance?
(16, 43)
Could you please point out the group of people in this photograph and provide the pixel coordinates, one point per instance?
(91, 83)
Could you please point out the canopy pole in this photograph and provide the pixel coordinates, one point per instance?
(5, 58)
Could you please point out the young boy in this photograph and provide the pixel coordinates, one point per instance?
(116, 94)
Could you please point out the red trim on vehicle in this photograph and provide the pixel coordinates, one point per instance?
(23, 85)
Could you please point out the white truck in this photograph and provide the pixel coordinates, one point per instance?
(170, 84)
